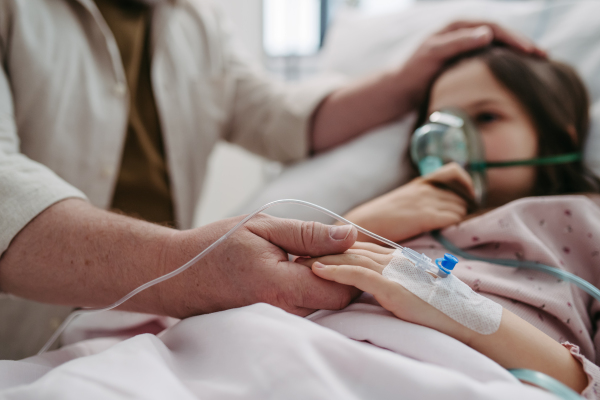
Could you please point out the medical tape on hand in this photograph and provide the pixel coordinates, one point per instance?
(450, 295)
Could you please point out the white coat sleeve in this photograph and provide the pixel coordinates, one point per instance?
(26, 187)
(266, 116)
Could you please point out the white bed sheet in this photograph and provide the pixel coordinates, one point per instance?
(261, 352)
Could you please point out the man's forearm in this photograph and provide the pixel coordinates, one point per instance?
(357, 108)
(75, 254)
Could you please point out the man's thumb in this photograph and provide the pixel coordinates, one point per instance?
(303, 238)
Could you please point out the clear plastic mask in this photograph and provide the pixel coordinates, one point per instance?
(449, 135)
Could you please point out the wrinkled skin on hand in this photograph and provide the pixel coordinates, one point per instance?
(252, 266)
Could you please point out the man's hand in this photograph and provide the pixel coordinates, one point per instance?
(252, 266)
(435, 201)
(455, 39)
(366, 104)
(76, 254)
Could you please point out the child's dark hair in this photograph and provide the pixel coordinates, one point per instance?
(557, 102)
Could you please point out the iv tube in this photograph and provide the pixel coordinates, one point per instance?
(198, 257)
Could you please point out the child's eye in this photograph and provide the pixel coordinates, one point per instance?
(486, 117)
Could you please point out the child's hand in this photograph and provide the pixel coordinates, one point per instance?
(431, 202)
(362, 265)
(516, 344)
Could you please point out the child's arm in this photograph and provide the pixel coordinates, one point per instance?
(516, 344)
(435, 201)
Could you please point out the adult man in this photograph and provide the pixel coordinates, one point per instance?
(124, 100)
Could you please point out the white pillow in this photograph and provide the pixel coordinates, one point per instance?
(355, 46)
(343, 178)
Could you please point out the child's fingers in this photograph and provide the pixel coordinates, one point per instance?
(359, 260)
(372, 247)
(362, 278)
(454, 178)
(381, 259)
(391, 295)
(448, 197)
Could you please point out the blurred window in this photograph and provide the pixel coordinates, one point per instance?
(294, 30)
(291, 27)
(297, 27)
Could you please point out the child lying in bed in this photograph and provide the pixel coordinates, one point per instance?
(524, 107)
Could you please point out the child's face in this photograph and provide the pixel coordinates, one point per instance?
(506, 130)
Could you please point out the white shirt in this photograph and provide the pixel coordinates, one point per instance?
(64, 104)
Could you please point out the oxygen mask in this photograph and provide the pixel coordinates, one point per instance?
(449, 135)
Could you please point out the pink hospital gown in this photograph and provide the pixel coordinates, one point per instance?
(559, 231)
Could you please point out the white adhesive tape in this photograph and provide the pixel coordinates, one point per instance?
(450, 295)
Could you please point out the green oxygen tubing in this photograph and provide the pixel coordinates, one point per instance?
(534, 377)
(544, 381)
(559, 273)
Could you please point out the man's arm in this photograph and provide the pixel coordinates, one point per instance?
(361, 106)
(75, 254)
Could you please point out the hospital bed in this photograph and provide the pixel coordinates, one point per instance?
(147, 367)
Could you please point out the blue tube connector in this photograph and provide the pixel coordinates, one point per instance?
(446, 264)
